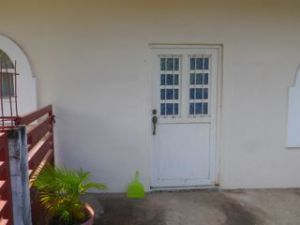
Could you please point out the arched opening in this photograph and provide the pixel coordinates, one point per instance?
(22, 89)
(7, 81)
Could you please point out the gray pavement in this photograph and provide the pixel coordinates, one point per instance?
(204, 207)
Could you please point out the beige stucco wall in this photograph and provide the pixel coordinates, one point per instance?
(91, 62)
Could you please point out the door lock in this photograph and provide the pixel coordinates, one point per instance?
(154, 121)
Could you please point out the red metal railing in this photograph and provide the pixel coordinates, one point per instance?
(5, 188)
(39, 126)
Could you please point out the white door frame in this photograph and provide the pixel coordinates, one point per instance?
(216, 120)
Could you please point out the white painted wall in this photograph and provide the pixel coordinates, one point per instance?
(91, 58)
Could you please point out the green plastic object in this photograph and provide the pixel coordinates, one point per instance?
(136, 188)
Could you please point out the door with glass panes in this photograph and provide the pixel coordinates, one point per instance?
(184, 115)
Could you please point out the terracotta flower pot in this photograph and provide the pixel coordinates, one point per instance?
(90, 221)
(91, 213)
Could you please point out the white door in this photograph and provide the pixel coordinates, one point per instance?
(184, 115)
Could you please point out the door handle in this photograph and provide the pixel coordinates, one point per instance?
(154, 121)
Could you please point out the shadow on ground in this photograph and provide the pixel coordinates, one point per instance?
(263, 207)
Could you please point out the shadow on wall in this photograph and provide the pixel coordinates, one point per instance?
(110, 151)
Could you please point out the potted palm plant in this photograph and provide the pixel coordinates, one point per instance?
(60, 192)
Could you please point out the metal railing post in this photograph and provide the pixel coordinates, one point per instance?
(17, 144)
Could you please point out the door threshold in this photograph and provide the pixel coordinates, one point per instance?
(185, 188)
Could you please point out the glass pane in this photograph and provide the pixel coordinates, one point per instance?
(176, 80)
(192, 78)
(199, 93)
(162, 94)
(192, 105)
(169, 82)
(205, 108)
(170, 64)
(205, 63)
(169, 93)
(169, 110)
(199, 63)
(199, 77)
(162, 109)
(169, 79)
(176, 109)
(205, 93)
(162, 64)
(192, 93)
(175, 94)
(176, 62)
(192, 63)
(198, 108)
(205, 78)
(162, 79)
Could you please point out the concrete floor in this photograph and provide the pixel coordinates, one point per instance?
(206, 207)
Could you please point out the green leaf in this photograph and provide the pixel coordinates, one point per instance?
(60, 190)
